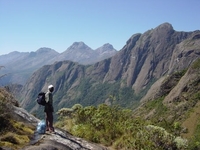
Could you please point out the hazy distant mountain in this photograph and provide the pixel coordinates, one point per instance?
(105, 51)
(20, 65)
(81, 53)
(27, 60)
(13, 56)
(77, 52)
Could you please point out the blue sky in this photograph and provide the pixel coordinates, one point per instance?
(27, 25)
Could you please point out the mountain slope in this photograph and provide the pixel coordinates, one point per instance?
(176, 101)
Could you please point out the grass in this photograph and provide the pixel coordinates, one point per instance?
(14, 141)
(196, 64)
(191, 122)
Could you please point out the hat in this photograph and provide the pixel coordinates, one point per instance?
(50, 86)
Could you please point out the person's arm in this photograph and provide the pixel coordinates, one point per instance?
(47, 97)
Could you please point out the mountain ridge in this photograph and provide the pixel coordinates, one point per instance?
(142, 61)
(20, 65)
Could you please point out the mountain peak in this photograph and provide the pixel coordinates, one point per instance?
(105, 48)
(44, 50)
(79, 45)
(165, 26)
(108, 46)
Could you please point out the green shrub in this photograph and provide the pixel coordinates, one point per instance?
(116, 127)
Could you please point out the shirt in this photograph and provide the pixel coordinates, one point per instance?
(49, 101)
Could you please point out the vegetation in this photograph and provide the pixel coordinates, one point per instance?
(117, 127)
(196, 64)
(195, 140)
(98, 93)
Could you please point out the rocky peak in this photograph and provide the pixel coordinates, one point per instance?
(44, 50)
(105, 48)
(79, 46)
(164, 26)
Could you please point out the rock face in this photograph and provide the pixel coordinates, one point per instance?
(146, 56)
(185, 53)
(143, 60)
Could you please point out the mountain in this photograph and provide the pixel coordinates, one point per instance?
(105, 51)
(127, 76)
(77, 52)
(81, 53)
(26, 60)
(20, 65)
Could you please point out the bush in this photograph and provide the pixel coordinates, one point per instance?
(116, 127)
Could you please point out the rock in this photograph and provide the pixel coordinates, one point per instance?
(60, 140)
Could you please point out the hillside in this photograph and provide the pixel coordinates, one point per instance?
(18, 130)
(174, 101)
(127, 76)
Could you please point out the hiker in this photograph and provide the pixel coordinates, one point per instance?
(48, 109)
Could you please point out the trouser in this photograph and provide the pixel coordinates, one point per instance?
(49, 121)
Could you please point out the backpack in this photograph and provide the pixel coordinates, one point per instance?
(41, 99)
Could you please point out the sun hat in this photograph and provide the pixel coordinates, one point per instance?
(50, 86)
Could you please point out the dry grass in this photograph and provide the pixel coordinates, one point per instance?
(65, 124)
(14, 141)
(191, 122)
(17, 137)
